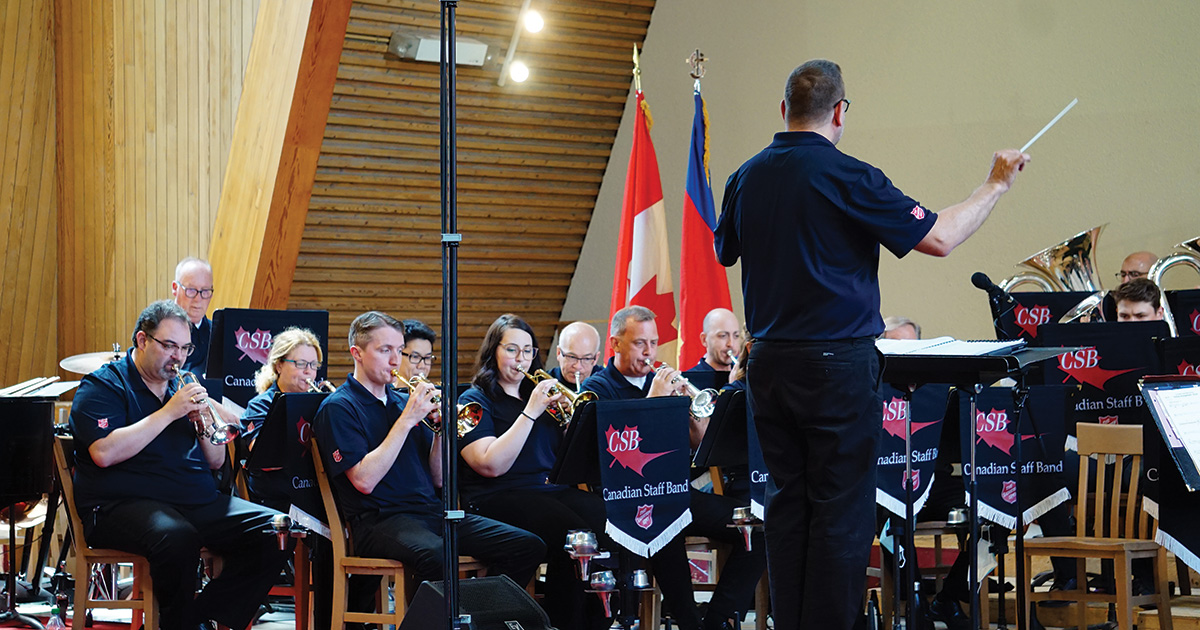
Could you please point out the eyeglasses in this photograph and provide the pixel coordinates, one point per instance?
(591, 358)
(1129, 275)
(417, 359)
(513, 351)
(172, 348)
(191, 293)
(847, 102)
(304, 365)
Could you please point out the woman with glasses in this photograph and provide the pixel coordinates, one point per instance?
(509, 457)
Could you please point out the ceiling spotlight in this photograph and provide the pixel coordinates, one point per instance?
(533, 21)
(518, 72)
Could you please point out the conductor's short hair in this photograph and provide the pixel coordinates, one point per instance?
(812, 90)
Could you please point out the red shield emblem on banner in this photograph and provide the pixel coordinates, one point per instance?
(644, 519)
(1009, 492)
(102, 423)
(1107, 419)
(915, 478)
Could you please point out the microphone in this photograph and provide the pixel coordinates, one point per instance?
(995, 293)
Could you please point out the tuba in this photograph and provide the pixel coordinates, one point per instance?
(210, 424)
(704, 401)
(1067, 266)
(1186, 253)
(468, 415)
(563, 410)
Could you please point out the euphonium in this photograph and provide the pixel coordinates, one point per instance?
(322, 386)
(1187, 253)
(704, 401)
(468, 414)
(210, 425)
(1067, 266)
(564, 409)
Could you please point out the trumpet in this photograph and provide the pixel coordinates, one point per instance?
(578, 382)
(468, 415)
(210, 425)
(322, 386)
(732, 357)
(564, 408)
(704, 401)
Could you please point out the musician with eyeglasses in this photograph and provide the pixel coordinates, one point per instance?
(633, 338)
(417, 356)
(192, 290)
(508, 459)
(385, 468)
(143, 482)
(577, 352)
(1136, 265)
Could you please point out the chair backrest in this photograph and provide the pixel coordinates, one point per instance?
(64, 461)
(1110, 512)
(341, 548)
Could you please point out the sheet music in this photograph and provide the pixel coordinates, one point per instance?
(1179, 410)
(946, 346)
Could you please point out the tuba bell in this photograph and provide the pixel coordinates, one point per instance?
(1067, 266)
(1186, 253)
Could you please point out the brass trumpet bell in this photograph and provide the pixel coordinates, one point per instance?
(468, 415)
(210, 426)
(563, 410)
(704, 401)
(322, 386)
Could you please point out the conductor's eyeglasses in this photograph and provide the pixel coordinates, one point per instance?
(847, 102)
(172, 348)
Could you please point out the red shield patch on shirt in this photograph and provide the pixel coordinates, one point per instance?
(918, 212)
(644, 519)
(337, 456)
(102, 423)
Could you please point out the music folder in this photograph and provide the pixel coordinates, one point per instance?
(1174, 402)
(724, 442)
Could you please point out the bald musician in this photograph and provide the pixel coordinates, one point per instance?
(577, 352)
(192, 290)
(1136, 265)
(722, 339)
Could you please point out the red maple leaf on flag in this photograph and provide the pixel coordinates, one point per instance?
(626, 447)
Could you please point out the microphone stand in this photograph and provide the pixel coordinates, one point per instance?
(450, 242)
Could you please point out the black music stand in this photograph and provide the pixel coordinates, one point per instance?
(970, 374)
(725, 442)
(26, 452)
(578, 460)
(280, 445)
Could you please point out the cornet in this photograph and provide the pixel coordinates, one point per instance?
(704, 401)
(322, 386)
(564, 408)
(468, 414)
(732, 357)
(210, 425)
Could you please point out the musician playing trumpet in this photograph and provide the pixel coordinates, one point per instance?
(722, 339)
(577, 351)
(385, 467)
(291, 368)
(143, 482)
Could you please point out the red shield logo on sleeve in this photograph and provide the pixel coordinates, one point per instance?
(102, 423)
(337, 455)
(644, 519)
(917, 212)
(1009, 492)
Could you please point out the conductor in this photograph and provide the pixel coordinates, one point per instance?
(807, 221)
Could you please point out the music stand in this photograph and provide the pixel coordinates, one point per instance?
(578, 460)
(281, 445)
(725, 442)
(970, 374)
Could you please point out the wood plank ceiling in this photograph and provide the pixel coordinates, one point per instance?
(531, 159)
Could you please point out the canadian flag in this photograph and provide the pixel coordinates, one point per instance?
(643, 271)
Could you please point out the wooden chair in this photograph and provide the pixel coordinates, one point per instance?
(1106, 528)
(345, 564)
(141, 600)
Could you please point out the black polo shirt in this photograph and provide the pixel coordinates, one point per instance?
(610, 384)
(201, 338)
(256, 413)
(531, 468)
(702, 366)
(807, 221)
(171, 468)
(352, 422)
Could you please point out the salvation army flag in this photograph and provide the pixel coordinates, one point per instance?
(702, 282)
(927, 409)
(643, 269)
(644, 464)
(1043, 485)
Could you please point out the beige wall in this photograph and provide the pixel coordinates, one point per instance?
(935, 91)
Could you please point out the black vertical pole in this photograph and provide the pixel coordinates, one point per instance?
(450, 241)
(972, 392)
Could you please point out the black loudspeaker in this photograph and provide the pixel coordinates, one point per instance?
(26, 458)
(494, 603)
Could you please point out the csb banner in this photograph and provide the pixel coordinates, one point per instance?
(927, 410)
(644, 464)
(241, 343)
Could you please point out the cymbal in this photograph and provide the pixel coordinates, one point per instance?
(90, 362)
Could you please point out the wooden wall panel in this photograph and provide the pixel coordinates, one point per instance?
(28, 207)
(531, 159)
(147, 97)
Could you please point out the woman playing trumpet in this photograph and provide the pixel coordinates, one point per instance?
(509, 456)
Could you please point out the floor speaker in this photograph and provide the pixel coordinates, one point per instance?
(494, 603)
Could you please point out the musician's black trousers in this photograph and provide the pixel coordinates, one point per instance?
(818, 413)
(170, 537)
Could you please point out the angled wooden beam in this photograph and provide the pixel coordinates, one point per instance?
(276, 142)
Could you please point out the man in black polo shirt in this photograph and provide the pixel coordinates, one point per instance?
(192, 290)
(807, 221)
(143, 482)
(722, 339)
(633, 336)
(577, 351)
(385, 466)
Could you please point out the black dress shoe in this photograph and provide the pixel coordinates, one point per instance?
(949, 613)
